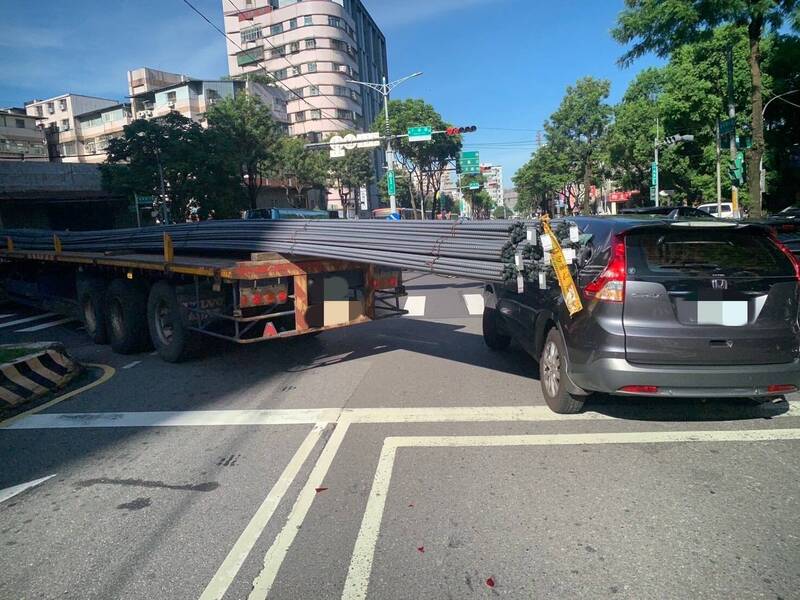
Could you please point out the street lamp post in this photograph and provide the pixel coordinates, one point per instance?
(384, 89)
(761, 177)
(667, 141)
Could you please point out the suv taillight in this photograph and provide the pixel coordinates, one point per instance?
(790, 255)
(609, 286)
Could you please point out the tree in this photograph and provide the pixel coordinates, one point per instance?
(663, 26)
(349, 172)
(403, 195)
(177, 148)
(247, 136)
(425, 161)
(577, 128)
(547, 174)
(299, 169)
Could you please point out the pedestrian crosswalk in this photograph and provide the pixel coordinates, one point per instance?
(470, 305)
(27, 321)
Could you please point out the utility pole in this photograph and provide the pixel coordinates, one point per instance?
(732, 116)
(719, 173)
(656, 174)
(384, 89)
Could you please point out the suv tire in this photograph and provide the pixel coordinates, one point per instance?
(552, 376)
(491, 330)
(91, 294)
(126, 308)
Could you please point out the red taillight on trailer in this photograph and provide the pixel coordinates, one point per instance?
(609, 286)
(639, 389)
(781, 388)
(790, 255)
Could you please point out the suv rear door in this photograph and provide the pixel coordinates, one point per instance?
(703, 295)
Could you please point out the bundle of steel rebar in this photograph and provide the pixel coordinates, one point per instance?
(482, 250)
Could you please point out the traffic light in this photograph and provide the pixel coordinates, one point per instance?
(736, 170)
(460, 130)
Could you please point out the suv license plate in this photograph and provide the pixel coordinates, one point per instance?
(731, 313)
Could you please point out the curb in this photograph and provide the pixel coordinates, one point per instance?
(48, 367)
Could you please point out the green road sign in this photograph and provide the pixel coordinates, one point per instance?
(144, 201)
(727, 126)
(654, 173)
(419, 134)
(391, 186)
(470, 162)
(653, 194)
(470, 154)
(474, 185)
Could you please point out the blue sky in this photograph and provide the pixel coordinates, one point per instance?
(502, 65)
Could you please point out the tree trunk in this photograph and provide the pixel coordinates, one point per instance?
(757, 119)
(587, 184)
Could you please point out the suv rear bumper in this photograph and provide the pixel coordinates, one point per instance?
(609, 375)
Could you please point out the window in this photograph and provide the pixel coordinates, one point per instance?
(277, 28)
(39, 110)
(311, 43)
(339, 90)
(339, 45)
(312, 67)
(251, 34)
(299, 117)
(67, 149)
(20, 123)
(62, 104)
(89, 147)
(296, 70)
(278, 51)
(344, 114)
(250, 56)
(50, 108)
(64, 125)
(307, 20)
(281, 74)
(298, 92)
(315, 114)
(171, 97)
(292, 23)
(334, 21)
(294, 47)
(313, 90)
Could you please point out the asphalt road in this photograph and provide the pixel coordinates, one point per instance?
(397, 459)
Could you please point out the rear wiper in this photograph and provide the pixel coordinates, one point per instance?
(695, 265)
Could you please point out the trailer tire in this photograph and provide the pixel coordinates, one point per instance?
(171, 337)
(91, 296)
(491, 331)
(126, 314)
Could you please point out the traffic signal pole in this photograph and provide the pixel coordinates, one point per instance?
(732, 116)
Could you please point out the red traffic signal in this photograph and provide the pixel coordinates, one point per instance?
(460, 130)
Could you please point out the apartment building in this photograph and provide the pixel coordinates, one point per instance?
(494, 182)
(20, 136)
(156, 93)
(58, 117)
(96, 128)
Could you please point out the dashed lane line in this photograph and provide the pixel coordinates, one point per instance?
(46, 325)
(474, 303)
(358, 574)
(26, 320)
(415, 305)
(130, 365)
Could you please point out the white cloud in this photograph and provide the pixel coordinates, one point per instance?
(392, 13)
(12, 36)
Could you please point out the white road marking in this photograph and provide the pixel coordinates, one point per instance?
(9, 315)
(46, 325)
(474, 303)
(154, 353)
(130, 365)
(301, 416)
(280, 547)
(229, 568)
(26, 320)
(358, 574)
(12, 491)
(415, 305)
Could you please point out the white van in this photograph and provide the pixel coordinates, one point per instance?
(725, 213)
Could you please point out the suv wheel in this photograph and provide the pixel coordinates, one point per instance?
(491, 331)
(552, 376)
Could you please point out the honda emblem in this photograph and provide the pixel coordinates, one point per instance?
(719, 284)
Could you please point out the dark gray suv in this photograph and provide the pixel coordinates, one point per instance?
(671, 308)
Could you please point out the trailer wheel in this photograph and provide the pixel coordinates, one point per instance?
(491, 331)
(126, 311)
(169, 333)
(91, 292)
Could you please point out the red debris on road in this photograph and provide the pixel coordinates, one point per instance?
(320, 489)
(490, 582)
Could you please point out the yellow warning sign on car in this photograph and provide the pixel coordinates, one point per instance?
(568, 288)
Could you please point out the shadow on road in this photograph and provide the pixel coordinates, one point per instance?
(685, 409)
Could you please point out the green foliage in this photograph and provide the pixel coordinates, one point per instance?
(248, 137)
(299, 168)
(349, 172)
(194, 170)
(403, 188)
(425, 161)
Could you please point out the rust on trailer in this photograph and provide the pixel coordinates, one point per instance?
(300, 302)
(287, 268)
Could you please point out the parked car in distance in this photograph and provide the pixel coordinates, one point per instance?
(726, 210)
(692, 308)
(285, 213)
(668, 212)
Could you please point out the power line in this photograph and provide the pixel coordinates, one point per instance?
(259, 63)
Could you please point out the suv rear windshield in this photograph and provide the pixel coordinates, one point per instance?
(705, 251)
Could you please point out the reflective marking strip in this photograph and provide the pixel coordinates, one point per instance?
(474, 303)
(12, 491)
(415, 305)
(229, 568)
(6, 316)
(358, 574)
(45, 325)
(132, 364)
(26, 320)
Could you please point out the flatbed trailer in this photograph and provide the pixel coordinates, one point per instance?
(134, 300)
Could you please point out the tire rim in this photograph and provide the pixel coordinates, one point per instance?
(89, 318)
(551, 369)
(165, 328)
(117, 319)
